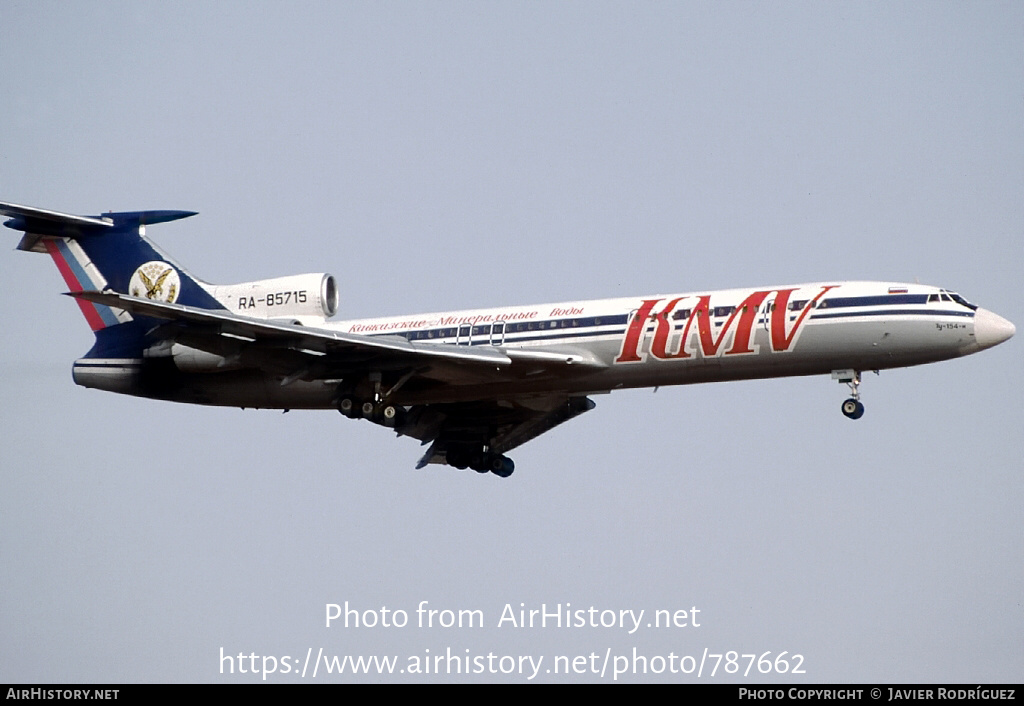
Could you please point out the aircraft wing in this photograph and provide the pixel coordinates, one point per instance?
(221, 332)
(501, 423)
(210, 325)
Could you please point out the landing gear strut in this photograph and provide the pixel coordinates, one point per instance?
(852, 407)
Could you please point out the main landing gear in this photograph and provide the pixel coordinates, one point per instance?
(376, 409)
(388, 415)
(463, 457)
(852, 407)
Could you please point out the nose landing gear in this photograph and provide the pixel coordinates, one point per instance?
(852, 407)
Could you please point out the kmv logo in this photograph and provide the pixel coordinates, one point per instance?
(665, 346)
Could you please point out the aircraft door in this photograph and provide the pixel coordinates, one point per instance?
(498, 333)
(464, 336)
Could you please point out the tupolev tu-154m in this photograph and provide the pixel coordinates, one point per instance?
(472, 384)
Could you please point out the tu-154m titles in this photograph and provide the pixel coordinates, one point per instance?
(472, 384)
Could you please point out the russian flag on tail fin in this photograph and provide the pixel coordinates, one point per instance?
(81, 275)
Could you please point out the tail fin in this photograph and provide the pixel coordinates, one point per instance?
(107, 252)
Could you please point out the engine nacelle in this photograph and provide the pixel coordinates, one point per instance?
(296, 295)
(192, 360)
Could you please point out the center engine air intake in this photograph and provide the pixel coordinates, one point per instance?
(296, 295)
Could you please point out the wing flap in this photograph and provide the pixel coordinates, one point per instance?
(500, 427)
(579, 359)
(536, 425)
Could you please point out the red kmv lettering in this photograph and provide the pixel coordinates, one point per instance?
(709, 344)
(780, 341)
(743, 316)
(637, 327)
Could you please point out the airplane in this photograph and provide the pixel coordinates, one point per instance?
(472, 384)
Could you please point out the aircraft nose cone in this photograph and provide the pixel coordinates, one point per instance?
(991, 329)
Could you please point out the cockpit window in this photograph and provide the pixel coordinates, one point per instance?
(963, 302)
(948, 296)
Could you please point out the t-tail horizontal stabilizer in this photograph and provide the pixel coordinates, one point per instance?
(37, 222)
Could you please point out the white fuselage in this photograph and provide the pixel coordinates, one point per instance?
(651, 340)
(706, 336)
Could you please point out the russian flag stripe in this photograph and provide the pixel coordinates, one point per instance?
(97, 316)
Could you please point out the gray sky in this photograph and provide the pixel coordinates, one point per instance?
(444, 155)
